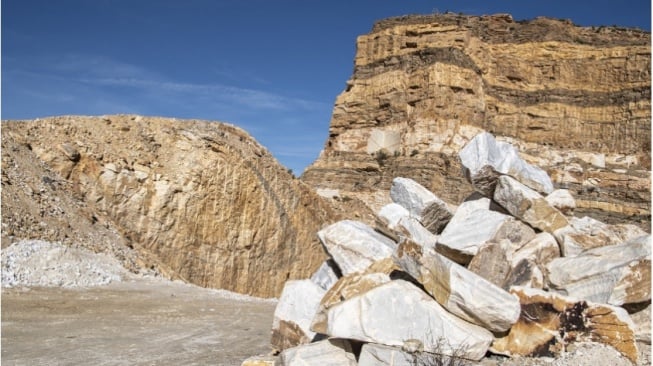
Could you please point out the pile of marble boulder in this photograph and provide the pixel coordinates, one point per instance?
(509, 271)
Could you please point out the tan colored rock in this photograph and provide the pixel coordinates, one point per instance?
(528, 205)
(294, 313)
(354, 246)
(560, 93)
(397, 313)
(460, 291)
(615, 274)
(198, 201)
(549, 323)
(422, 204)
(329, 352)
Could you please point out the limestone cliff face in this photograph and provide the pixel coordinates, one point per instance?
(199, 201)
(576, 101)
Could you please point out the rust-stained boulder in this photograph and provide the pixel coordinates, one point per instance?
(550, 322)
(528, 205)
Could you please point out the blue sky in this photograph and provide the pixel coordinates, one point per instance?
(273, 68)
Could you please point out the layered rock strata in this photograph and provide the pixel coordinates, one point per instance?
(573, 100)
(199, 201)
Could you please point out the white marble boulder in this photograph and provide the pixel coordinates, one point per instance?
(469, 229)
(615, 274)
(426, 207)
(549, 322)
(354, 246)
(527, 205)
(294, 313)
(380, 355)
(485, 159)
(460, 291)
(586, 233)
(329, 352)
(397, 313)
(351, 285)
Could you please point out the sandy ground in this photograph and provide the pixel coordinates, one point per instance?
(136, 322)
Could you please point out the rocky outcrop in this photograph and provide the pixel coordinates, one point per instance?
(199, 201)
(573, 100)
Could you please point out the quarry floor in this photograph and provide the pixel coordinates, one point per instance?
(137, 322)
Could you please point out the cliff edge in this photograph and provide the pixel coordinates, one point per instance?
(574, 100)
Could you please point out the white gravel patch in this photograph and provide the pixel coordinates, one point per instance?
(38, 263)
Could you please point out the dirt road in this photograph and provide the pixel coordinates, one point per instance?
(138, 322)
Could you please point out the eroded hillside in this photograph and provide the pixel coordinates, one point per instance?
(199, 201)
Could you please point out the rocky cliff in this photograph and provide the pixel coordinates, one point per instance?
(199, 201)
(574, 100)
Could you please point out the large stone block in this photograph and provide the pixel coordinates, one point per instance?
(354, 246)
(294, 313)
(422, 204)
(460, 291)
(352, 285)
(528, 205)
(468, 230)
(615, 274)
(587, 233)
(549, 322)
(485, 159)
(397, 313)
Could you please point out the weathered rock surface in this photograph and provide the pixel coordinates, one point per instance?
(550, 322)
(587, 233)
(354, 246)
(422, 204)
(460, 291)
(329, 352)
(528, 205)
(574, 101)
(380, 355)
(198, 201)
(261, 361)
(615, 274)
(484, 159)
(294, 313)
(398, 312)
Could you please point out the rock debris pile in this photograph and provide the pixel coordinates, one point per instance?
(509, 272)
(38, 263)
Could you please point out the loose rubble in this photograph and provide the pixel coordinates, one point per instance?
(505, 274)
(38, 263)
